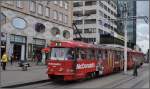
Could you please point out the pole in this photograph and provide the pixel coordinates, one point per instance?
(125, 43)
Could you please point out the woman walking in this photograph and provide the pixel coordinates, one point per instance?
(4, 60)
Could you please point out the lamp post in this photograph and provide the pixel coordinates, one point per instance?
(125, 43)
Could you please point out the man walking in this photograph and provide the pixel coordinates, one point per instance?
(135, 72)
(4, 61)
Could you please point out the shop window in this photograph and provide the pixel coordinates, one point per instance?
(17, 38)
(38, 41)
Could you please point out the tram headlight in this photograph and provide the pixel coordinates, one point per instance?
(69, 70)
(61, 69)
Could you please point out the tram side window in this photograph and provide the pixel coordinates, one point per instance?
(81, 54)
(100, 54)
(77, 54)
(118, 55)
(92, 55)
(122, 55)
(104, 55)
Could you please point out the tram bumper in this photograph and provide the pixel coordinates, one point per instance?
(63, 75)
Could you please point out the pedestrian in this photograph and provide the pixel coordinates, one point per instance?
(11, 58)
(39, 58)
(4, 60)
(135, 71)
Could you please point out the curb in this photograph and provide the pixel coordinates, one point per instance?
(26, 84)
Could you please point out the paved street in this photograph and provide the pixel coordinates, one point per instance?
(118, 80)
(14, 74)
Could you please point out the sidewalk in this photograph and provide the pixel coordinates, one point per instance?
(14, 74)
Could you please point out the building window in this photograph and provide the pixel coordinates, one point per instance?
(32, 6)
(77, 4)
(66, 5)
(100, 31)
(90, 30)
(90, 12)
(19, 23)
(60, 16)
(40, 9)
(108, 10)
(61, 3)
(9, 2)
(105, 7)
(55, 2)
(66, 34)
(101, 4)
(78, 22)
(65, 19)
(39, 27)
(55, 31)
(19, 4)
(55, 15)
(90, 21)
(47, 11)
(101, 13)
(2, 18)
(89, 3)
(78, 13)
(105, 16)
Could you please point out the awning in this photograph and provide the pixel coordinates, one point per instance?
(46, 50)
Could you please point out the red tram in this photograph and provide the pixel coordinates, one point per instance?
(73, 60)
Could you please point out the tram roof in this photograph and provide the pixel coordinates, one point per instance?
(72, 44)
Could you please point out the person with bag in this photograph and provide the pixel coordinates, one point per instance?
(4, 60)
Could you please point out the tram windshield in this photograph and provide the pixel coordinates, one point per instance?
(62, 54)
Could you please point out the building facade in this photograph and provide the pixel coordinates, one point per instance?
(28, 26)
(91, 19)
(131, 24)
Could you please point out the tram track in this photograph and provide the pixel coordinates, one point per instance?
(124, 80)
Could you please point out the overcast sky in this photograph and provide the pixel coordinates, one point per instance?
(142, 27)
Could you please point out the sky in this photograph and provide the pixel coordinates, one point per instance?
(142, 27)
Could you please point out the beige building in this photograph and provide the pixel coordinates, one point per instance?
(28, 26)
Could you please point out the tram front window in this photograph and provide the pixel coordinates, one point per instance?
(62, 54)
